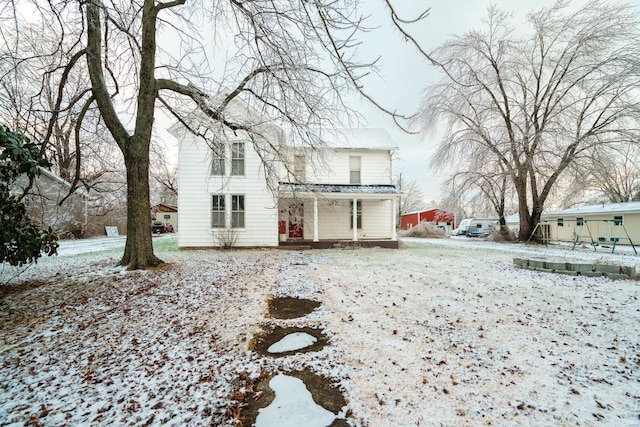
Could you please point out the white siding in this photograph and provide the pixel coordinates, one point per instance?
(197, 186)
(333, 167)
(334, 220)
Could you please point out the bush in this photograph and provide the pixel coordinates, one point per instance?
(226, 238)
(21, 241)
(424, 229)
(504, 234)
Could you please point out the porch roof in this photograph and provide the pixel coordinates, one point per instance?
(340, 189)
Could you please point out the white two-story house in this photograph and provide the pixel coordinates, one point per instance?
(265, 188)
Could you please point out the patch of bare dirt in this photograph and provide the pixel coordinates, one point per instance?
(290, 308)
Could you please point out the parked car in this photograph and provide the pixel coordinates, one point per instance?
(161, 227)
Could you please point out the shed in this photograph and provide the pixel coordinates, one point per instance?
(434, 216)
(165, 213)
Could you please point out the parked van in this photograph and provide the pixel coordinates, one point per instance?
(473, 227)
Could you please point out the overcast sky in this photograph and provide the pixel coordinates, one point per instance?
(404, 73)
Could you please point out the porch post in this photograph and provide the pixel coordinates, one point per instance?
(315, 219)
(394, 219)
(354, 219)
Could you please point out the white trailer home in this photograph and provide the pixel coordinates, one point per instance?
(474, 227)
(613, 223)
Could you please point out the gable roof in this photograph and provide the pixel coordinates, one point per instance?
(348, 138)
(601, 208)
(237, 110)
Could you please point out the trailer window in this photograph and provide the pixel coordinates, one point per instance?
(579, 222)
(560, 222)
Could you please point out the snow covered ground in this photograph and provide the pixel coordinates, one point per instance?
(439, 332)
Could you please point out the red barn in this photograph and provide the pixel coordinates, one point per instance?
(435, 216)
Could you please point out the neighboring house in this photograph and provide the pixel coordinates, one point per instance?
(166, 214)
(437, 217)
(272, 190)
(43, 204)
(602, 223)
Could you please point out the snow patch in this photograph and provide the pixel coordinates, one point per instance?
(292, 342)
(293, 406)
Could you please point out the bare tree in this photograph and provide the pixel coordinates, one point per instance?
(164, 180)
(78, 146)
(611, 174)
(291, 61)
(538, 102)
(412, 198)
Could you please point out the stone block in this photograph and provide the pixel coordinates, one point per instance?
(607, 268)
(556, 265)
(579, 267)
(629, 271)
(519, 262)
(537, 264)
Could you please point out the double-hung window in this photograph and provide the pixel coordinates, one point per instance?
(237, 211)
(354, 170)
(617, 220)
(299, 168)
(217, 161)
(218, 211)
(237, 158)
(560, 222)
(579, 221)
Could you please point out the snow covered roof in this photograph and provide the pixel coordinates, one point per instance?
(629, 207)
(339, 188)
(350, 138)
(82, 192)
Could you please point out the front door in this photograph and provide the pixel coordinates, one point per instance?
(296, 221)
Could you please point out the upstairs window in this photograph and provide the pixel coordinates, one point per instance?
(237, 158)
(354, 170)
(299, 168)
(217, 161)
(237, 211)
(217, 211)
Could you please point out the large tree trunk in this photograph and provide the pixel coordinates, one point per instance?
(526, 223)
(138, 251)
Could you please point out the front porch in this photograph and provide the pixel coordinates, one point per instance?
(330, 215)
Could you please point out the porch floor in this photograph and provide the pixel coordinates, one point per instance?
(328, 244)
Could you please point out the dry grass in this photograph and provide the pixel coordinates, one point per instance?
(503, 235)
(424, 229)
